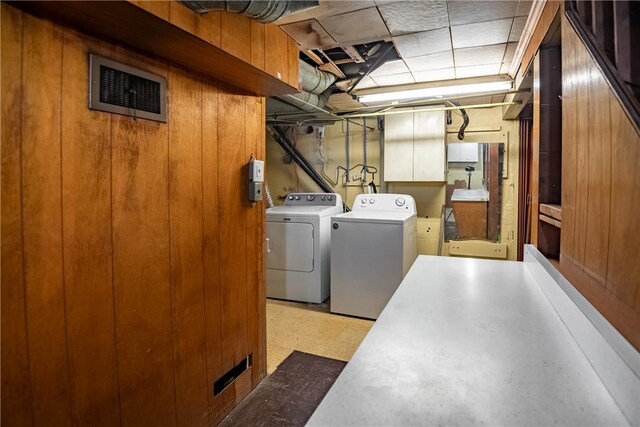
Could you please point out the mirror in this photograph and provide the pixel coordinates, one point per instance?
(474, 191)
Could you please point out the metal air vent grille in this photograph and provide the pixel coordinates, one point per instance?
(120, 89)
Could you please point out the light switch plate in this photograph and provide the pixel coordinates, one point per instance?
(256, 170)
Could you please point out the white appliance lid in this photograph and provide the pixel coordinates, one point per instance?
(304, 210)
(376, 217)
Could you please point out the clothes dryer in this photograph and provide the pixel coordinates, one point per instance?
(298, 240)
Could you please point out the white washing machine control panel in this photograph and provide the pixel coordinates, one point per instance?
(313, 199)
(382, 202)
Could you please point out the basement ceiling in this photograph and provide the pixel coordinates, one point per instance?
(434, 39)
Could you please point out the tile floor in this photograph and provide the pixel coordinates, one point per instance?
(310, 328)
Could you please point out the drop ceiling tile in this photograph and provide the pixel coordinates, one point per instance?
(326, 8)
(390, 67)
(504, 68)
(356, 27)
(423, 43)
(434, 75)
(470, 11)
(435, 61)
(477, 71)
(366, 83)
(524, 7)
(414, 16)
(484, 33)
(394, 79)
(511, 50)
(480, 55)
(309, 34)
(516, 28)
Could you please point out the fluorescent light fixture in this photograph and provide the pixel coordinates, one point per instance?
(433, 92)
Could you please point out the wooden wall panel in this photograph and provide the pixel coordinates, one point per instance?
(601, 151)
(141, 266)
(42, 221)
(534, 171)
(582, 158)
(16, 387)
(569, 137)
(209, 27)
(187, 285)
(183, 17)
(232, 199)
(599, 171)
(623, 272)
(255, 300)
(294, 63)
(257, 44)
(158, 8)
(276, 47)
(86, 204)
(131, 259)
(236, 35)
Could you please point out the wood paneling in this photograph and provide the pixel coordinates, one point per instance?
(17, 400)
(549, 12)
(185, 217)
(601, 151)
(141, 267)
(86, 204)
(132, 266)
(42, 220)
(236, 35)
(276, 47)
(623, 272)
(256, 302)
(134, 26)
(232, 187)
(257, 45)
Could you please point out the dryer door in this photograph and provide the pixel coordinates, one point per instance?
(290, 246)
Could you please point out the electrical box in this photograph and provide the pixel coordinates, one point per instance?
(256, 177)
(255, 191)
(256, 170)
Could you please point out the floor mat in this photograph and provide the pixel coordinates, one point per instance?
(289, 396)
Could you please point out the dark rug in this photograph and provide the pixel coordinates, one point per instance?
(289, 396)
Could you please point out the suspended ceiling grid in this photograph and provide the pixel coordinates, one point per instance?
(435, 39)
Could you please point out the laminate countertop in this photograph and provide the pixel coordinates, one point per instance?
(468, 342)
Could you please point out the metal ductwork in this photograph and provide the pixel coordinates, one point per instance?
(264, 11)
(316, 89)
(314, 80)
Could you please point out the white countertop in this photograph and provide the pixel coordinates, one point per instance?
(473, 195)
(468, 342)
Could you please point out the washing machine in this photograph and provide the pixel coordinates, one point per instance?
(298, 242)
(372, 248)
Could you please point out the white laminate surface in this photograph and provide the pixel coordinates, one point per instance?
(468, 342)
(475, 195)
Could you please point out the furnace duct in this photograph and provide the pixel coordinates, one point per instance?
(264, 11)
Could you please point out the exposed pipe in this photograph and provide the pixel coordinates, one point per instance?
(282, 140)
(364, 147)
(264, 11)
(347, 146)
(465, 118)
(420, 110)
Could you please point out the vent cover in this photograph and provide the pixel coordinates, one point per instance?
(118, 88)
